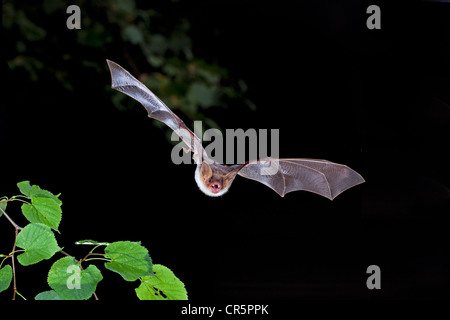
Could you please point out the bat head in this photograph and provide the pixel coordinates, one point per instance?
(213, 181)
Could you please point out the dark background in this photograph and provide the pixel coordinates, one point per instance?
(375, 100)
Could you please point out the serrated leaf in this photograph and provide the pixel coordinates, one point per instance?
(41, 193)
(43, 210)
(35, 191)
(39, 243)
(165, 286)
(72, 283)
(5, 277)
(129, 259)
(25, 188)
(48, 295)
(92, 242)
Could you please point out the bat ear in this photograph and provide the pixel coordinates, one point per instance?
(206, 171)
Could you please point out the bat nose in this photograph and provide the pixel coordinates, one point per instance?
(215, 187)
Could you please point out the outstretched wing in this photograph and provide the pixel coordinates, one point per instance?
(124, 82)
(323, 177)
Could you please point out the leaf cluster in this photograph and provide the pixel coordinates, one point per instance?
(69, 278)
(149, 39)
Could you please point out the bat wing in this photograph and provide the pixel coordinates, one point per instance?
(323, 177)
(124, 82)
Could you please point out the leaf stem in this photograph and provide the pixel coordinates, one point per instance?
(96, 254)
(18, 199)
(17, 196)
(5, 257)
(18, 293)
(16, 251)
(90, 252)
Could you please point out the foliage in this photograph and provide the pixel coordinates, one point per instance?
(149, 39)
(69, 278)
(161, 287)
(68, 288)
(38, 242)
(129, 259)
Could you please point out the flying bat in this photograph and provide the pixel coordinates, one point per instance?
(323, 177)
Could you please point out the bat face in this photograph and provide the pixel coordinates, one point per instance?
(213, 180)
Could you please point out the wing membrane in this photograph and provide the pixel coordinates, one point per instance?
(323, 177)
(124, 82)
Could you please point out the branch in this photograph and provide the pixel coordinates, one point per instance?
(10, 220)
(12, 261)
(16, 231)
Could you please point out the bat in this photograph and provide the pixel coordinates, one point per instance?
(322, 177)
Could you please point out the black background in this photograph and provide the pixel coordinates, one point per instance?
(375, 100)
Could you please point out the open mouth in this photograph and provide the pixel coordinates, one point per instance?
(215, 187)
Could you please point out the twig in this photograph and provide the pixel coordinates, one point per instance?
(13, 264)
(10, 220)
(65, 253)
(17, 228)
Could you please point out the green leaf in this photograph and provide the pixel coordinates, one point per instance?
(5, 277)
(35, 191)
(92, 242)
(165, 286)
(158, 44)
(129, 259)
(43, 210)
(132, 34)
(41, 193)
(25, 188)
(155, 60)
(208, 75)
(39, 243)
(72, 283)
(45, 207)
(48, 295)
(201, 94)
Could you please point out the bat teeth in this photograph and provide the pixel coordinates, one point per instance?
(215, 187)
